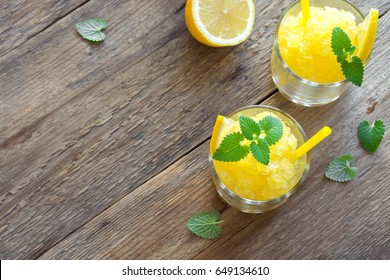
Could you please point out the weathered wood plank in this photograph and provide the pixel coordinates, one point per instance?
(324, 219)
(57, 65)
(61, 168)
(21, 20)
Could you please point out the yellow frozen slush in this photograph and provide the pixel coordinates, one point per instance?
(306, 45)
(253, 180)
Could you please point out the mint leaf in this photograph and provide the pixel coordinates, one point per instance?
(370, 136)
(340, 169)
(260, 151)
(273, 129)
(249, 127)
(353, 70)
(91, 29)
(205, 224)
(230, 149)
(340, 41)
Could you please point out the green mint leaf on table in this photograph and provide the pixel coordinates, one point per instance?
(340, 169)
(370, 136)
(340, 41)
(260, 151)
(249, 128)
(205, 224)
(341, 45)
(273, 129)
(91, 29)
(353, 70)
(231, 149)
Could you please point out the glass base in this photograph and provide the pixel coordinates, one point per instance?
(297, 99)
(247, 206)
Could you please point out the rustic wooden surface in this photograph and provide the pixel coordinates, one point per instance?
(103, 147)
(21, 20)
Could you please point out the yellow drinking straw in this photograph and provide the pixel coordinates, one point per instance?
(305, 10)
(309, 144)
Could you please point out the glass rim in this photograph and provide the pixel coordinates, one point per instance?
(276, 47)
(276, 199)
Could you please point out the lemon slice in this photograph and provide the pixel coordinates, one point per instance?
(366, 34)
(222, 125)
(220, 23)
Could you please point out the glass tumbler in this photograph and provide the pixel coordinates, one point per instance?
(295, 88)
(260, 206)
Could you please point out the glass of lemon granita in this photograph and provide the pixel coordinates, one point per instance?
(304, 68)
(248, 184)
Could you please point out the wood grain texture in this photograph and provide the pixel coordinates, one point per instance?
(47, 72)
(323, 220)
(57, 66)
(21, 20)
(101, 125)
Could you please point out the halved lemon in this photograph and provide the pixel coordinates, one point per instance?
(366, 34)
(220, 23)
(222, 125)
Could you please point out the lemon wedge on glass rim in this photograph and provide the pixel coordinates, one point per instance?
(220, 23)
(222, 125)
(366, 34)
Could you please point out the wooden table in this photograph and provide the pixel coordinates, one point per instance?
(104, 147)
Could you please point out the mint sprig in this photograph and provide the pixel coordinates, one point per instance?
(263, 134)
(205, 224)
(91, 29)
(340, 169)
(370, 136)
(342, 47)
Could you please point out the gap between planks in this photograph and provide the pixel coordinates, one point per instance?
(32, 36)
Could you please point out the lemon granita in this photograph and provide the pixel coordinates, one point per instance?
(248, 177)
(306, 48)
(320, 48)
